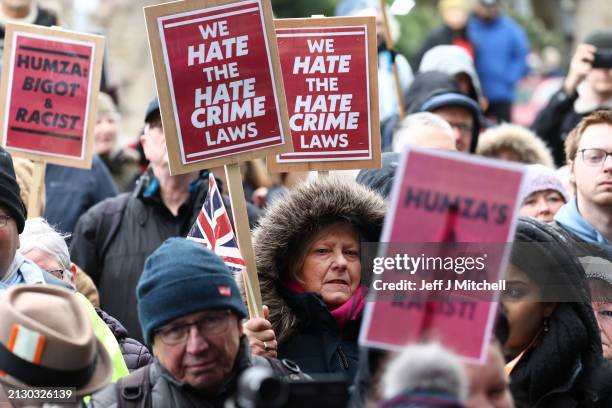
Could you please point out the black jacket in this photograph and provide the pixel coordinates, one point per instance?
(146, 223)
(555, 121)
(320, 346)
(135, 354)
(565, 366)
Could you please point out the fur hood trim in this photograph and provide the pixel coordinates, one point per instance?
(522, 141)
(293, 218)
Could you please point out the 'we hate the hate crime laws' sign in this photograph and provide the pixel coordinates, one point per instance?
(216, 80)
(48, 92)
(329, 72)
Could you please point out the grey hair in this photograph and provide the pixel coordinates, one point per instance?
(38, 234)
(405, 132)
(425, 367)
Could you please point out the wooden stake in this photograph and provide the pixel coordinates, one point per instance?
(36, 189)
(391, 48)
(243, 235)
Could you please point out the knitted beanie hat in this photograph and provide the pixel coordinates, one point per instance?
(9, 190)
(540, 178)
(182, 277)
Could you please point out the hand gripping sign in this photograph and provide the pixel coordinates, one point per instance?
(218, 81)
(50, 82)
(330, 75)
(443, 253)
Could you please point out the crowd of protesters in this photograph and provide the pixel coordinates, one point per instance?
(106, 296)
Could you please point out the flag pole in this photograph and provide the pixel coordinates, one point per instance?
(243, 236)
(36, 190)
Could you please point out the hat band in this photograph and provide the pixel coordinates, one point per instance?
(38, 376)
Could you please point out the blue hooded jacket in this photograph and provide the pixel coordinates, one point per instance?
(501, 48)
(570, 218)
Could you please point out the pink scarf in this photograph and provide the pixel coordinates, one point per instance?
(349, 310)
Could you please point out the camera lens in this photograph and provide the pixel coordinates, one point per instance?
(272, 393)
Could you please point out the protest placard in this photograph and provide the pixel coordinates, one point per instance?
(218, 80)
(330, 75)
(467, 205)
(50, 83)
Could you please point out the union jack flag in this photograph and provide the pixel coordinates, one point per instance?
(213, 230)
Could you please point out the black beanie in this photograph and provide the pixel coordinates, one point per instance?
(601, 39)
(9, 190)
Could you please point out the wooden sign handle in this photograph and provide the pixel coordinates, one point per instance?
(391, 47)
(36, 190)
(243, 235)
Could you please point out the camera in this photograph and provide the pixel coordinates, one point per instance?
(603, 59)
(259, 388)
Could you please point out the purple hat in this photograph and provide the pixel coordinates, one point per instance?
(540, 178)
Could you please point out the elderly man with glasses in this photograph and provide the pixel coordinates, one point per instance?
(588, 216)
(191, 314)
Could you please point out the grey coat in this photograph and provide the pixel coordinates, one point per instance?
(167, 392)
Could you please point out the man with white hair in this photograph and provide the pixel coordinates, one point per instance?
(46, 247)
(424, 375)
(424, 129)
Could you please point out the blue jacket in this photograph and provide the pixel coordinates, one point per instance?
(571, 220)
(501, 48)
(24, 271)
(71, 191)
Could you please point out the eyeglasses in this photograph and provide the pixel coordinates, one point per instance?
(594, 157)
(4, 220)
(211, 324)
(462, 128)
(58, 273)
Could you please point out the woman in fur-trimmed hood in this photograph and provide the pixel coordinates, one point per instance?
(307, 249)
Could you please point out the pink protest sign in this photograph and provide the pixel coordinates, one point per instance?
(218, 80)
(330, 74)
(446, 291)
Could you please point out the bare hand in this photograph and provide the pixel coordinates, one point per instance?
(262, 338)
(259, 196)
(580, 66)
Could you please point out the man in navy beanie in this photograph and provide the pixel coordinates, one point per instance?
(191, 314)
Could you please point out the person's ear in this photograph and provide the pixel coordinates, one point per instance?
(74, 270)
(143, 139)
(155, 346)
(572, 175)
(240, 325)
